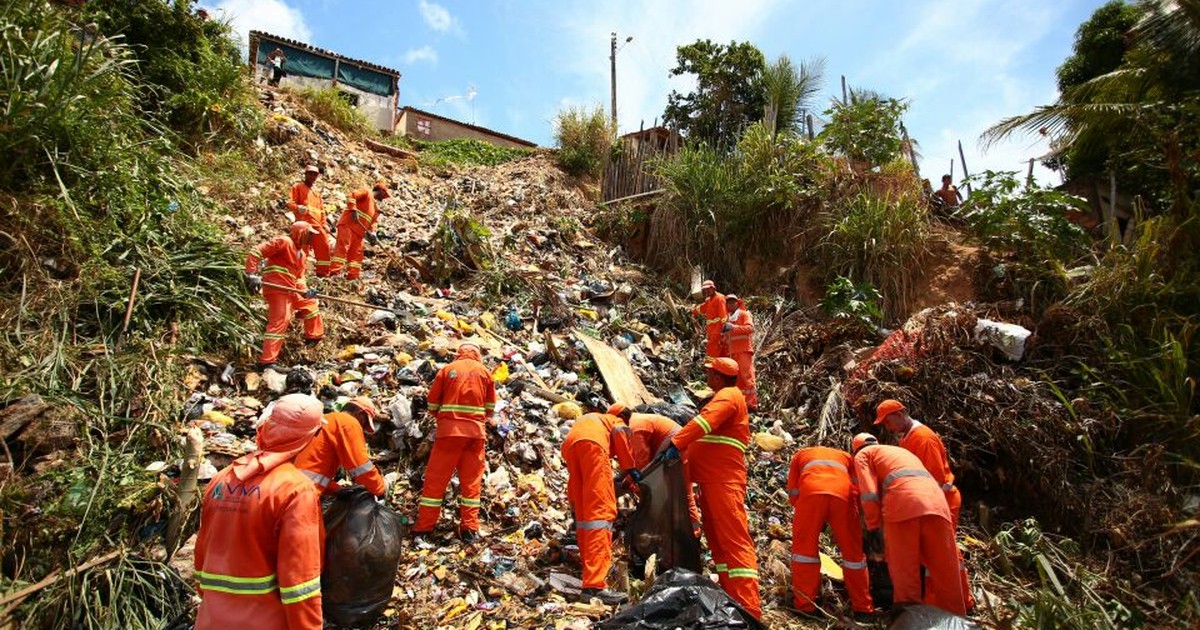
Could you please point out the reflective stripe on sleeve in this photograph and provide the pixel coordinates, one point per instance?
(803, 559)
(947, 487)
(703, 423)
(235, 585)
(317, 478)
(300, 592)
(825, 462)
(359, 470)
(715, 320)
(861, 564)
(722, 567)
(593, 525)
(870, 496)
(742, 572)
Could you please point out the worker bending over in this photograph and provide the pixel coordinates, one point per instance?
(258, 553)
(462, 398)
(356, 223)
(284, 260)
(341, 442)
(592, 443)
(306, 205)
(739, 345)
(821, 493)
(652, 435)
(715, 443)
(900, 497)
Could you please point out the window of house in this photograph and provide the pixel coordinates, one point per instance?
(424, 126)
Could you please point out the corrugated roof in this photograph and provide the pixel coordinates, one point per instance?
(409, 108)
(328, 53)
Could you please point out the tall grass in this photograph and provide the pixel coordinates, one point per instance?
(329, 105)
(583, 137)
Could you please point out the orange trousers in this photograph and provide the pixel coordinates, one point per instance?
(746, 381)
(347, 252)
(727, 530)
(954, 500)
(926, 541)
(320, 251)
(594, 504)
(449, 454)
(281, 306)
(812, 512)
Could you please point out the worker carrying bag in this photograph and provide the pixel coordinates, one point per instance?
(362, 552)
(661, 526)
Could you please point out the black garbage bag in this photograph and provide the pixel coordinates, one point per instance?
(661, 525)
(679, 413)
(881, 583)
(362, 552)
(682, 599)
(922, 617)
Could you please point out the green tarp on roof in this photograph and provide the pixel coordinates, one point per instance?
(365, 79)
(305, 64)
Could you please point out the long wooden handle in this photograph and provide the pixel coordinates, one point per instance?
(325, 297)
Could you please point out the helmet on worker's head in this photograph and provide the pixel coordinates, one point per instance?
(886, 408)
(619, 410)
(301, 232)
(294, 420)
(731, 296)
(861, 440)
(723, 365)
(364, 404)
(312, 168)
(382, 187)
(469, 351)
(708, 284)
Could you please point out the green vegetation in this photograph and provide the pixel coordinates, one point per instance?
(728, 95)
(330, 105)
(865, 129)
(467, 152)
(789, 91)
(583, 137)
(846, 300)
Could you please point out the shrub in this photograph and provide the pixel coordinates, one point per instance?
(846, 300)
(329, 105)
(583, 138)
(866, 129)
(467, 152)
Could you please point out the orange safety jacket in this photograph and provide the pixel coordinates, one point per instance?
(927, 446)
(740, 338)
(714, 313)
(307, 206)
(285, 263)
(651, 435)
(894, 486)
(609, 432)
(340, 443)
(463, 397)
(819, 470)
(717, 438)
(258, 553)
(360, 213)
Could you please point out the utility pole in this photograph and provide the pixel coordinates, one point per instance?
(612, 58)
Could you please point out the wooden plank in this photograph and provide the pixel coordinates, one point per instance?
(623, 383)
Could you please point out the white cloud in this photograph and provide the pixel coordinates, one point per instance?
(272, 16)
(437, 16)
(424, 53)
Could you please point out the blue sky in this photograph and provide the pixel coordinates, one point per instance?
(963, 64)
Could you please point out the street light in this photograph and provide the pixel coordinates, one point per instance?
(613, 60)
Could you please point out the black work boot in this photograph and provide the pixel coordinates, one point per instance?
(609, 598)
(469, 536)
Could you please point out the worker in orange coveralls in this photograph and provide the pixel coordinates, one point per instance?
(306, 205)
(901, 497)
(923, 442)
(652, 435)
(356, 223)
(285, 258)
(594, 440)
(712, 309)
(462, 398)
(715, 443)
(738, 334)
(341, 442)
(820, 490)
(258, 553)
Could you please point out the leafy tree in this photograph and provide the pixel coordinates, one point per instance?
(727, 97)
(789, 90)
(1100, 44)
(865, 128)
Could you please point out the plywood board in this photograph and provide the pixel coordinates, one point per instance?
(623, 383)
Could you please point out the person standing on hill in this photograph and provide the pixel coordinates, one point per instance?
(284, 260)
(275, 62)
(357, 223)
(712, 310)
(306, 205)
(738, 335)
(462, 398)
(341, 443)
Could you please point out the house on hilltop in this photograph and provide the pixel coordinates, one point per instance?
(429, 127)
(371, 88)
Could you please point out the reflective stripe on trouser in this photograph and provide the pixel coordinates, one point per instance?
(594, 504)
(812, 512)
(281, 306)
(954, 500)
(726, 528)
(347, 251)
(746, 381)
(449, 454)
(320, 252)
(925, 541)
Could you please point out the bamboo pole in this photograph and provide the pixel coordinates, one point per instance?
(190, 474)
(966, 174)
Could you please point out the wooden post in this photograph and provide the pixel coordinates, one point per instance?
(845, 100)
(966, 174)
(809, 120)
(912, 156)
(951, 169)
(190, 473)
(1110, 221)
(1029, 175)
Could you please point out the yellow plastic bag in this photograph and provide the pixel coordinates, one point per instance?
(216, 417)
(500, 374)
(568, 410)
(487, 320)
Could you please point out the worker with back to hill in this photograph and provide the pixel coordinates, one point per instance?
(715, 442)
(356, 223)
(922, 441)
(738, 333)
(712, 311)
(342, 443)
(906, 514)
(821, 492)
(284, 260)
(592, 443)
(462, 397)
(651, 435)
(258, 552)
(306, 205)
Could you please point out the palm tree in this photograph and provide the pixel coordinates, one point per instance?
(789, 91)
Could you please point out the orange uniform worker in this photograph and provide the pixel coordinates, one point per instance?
(356, 223)
(462, 398)
(715, 443)
(820, 492)
(258, 553)
(307, 206)
(739, 343)
(923, 442)
(341, 443)
(652, 435)
(594, 440)
(284, 257)
(712, 309)
(901, 497)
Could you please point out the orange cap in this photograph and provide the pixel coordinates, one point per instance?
(731, 296)
(616, 409)
(723, 365)
(364, 403)
(861, 440)
(886, 407)
(294, 419)
(382, 187)
(469, 351)
(708, 284)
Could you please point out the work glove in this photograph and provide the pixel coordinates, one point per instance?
(727, 327)
(635, 475)
(310, 293)
(253, 282)
(371, 238)
(668, 455)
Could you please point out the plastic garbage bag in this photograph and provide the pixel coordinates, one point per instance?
(661, 525)
(679, 413)
(362, 552)
(1007, 338)
(922, 617)
(682, 599)
(881, 583)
